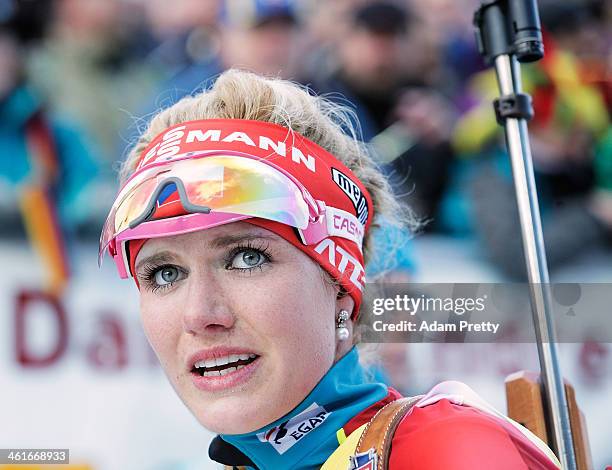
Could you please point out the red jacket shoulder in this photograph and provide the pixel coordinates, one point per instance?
(446, 435)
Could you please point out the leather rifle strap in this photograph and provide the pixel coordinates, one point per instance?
(379, 432)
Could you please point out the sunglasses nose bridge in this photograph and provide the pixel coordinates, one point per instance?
(160, 188)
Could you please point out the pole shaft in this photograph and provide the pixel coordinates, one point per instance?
(517, 139)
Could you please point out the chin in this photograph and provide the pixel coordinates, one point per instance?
(232, 417)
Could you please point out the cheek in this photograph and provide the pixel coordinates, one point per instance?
(161, 326)
(297, 314)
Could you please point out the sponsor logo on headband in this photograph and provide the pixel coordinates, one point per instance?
(343, 261)
(287, 434)
(341, 223)
(354, 193)
(175, 142)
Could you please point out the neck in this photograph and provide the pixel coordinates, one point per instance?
(306, 436)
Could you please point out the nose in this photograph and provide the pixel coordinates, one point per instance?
(207, 308)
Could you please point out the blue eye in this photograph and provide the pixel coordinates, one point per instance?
(166, 275)
(247, 259)
(156, 278)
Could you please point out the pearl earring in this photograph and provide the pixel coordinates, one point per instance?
(342, 331)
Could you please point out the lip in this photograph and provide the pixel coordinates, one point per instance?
(220, 383)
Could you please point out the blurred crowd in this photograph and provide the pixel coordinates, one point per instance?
(80, 78)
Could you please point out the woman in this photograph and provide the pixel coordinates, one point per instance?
(244, 219)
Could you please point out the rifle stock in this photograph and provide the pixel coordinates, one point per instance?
(525, 406)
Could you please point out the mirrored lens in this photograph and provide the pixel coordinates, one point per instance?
(231, 184)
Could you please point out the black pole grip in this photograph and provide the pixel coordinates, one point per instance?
(491, 31)
(509, 27)
(526, 30)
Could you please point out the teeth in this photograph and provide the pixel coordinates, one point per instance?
(210, 363)
(219, 373)
(207, 363)
(212, 373)
(227, 371)
(222, 361)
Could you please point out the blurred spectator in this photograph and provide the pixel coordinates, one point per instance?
(388, 67)
(184, 35)
(326, 22)
(584, 28)
(366, 66)
(572, 156)
(46, 167)
(257, 35)
(91, 68)
(260, 35)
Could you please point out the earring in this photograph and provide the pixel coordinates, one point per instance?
(342, 331)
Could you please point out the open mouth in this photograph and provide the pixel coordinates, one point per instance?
(220, 366)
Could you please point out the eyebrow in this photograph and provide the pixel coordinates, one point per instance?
(157, 258)
(220, 242)
(227, 240)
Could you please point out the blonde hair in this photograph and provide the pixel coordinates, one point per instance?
(238, 94)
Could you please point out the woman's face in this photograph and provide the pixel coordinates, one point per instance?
(251, 308)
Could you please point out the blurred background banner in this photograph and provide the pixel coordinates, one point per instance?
(79, 79)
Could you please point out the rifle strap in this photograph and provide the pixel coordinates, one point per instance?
(378, 433)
